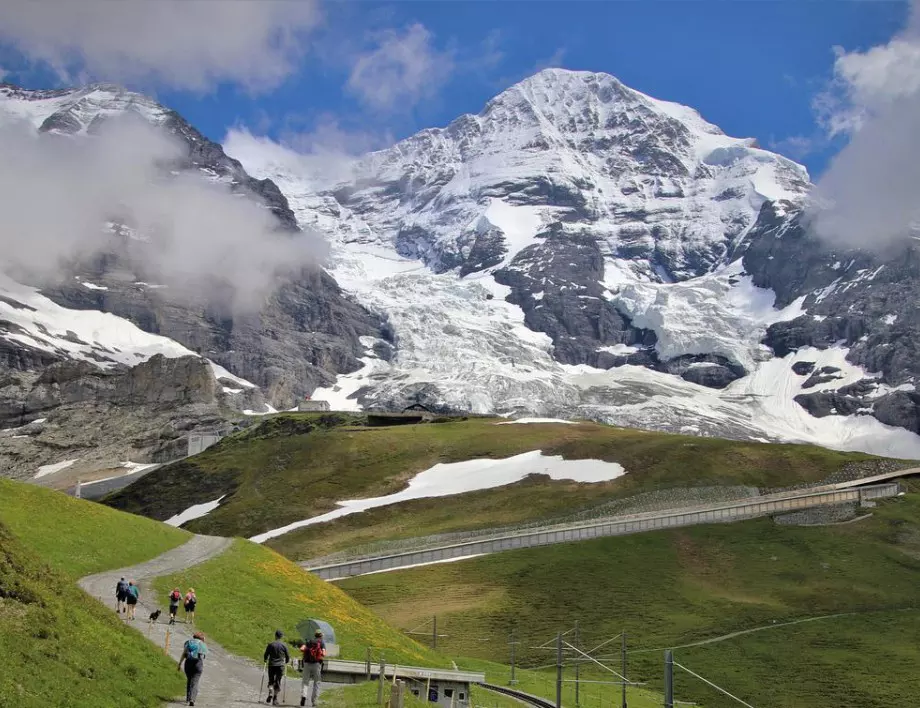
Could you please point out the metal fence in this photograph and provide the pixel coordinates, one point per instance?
(616, 526)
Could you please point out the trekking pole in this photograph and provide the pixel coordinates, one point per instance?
(262, 682)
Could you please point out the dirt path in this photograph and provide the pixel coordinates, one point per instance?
(228, 681)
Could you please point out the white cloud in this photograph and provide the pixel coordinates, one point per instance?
(184, 44)
(325, 154)
(796, 146)
(401, 70)
(869, 195)
(56, 194)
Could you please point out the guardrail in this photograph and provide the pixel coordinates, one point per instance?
(615, 526)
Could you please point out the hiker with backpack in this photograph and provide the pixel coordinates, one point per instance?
(121, 596)
(174, 597)
(190, 602)
(277, 658)
(193, 653)
(314, 651)
(134, 593)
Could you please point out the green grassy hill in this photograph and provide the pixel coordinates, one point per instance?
(58, 646)
(673, 588)
(77, 537)
(294, 466)
(63, 648)
(249, 591)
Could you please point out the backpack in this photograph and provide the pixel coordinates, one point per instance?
(313, 652)
(133, 591)
(122, 588)
(193, 649)
(174, 596)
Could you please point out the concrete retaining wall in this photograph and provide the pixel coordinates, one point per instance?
(637, 523)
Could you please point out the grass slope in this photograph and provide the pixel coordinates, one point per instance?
(672, 588)
(249, 591)
(60, 649)
(295, 466)
(79, 537)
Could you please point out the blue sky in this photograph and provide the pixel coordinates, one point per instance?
(359, 75)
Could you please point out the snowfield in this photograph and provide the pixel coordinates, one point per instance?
(196, 511)
(45, 470)
(460, 340)
(448, 479)
(103, 339)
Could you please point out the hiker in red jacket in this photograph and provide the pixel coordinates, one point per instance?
(314, 651)
(174, 597)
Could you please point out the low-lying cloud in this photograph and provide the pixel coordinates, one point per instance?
(185, 44)
(870, 195)
(193, 234)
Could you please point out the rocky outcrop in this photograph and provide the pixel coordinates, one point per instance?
(558, 285)
(303, 335)
(73, 410)
(868, 302)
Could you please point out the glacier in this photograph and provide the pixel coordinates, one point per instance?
(668, 199)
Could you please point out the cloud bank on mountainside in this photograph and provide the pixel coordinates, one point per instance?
(57, 194)
(868, 198)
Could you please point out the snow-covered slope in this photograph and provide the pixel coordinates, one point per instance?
(573, 250)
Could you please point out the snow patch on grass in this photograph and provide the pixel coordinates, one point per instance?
(196, 511)
(448, 479)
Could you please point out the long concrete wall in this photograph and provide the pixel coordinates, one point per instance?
(635, 523)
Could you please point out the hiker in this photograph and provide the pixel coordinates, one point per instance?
(134, 593)
(174, 597)
(121, 596)
(277, 658)
(314, 651)
(190, 601)
(193, 653)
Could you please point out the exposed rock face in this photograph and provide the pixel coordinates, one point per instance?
(75, 410)
(305, 334)
(865, 301)
(558, 285)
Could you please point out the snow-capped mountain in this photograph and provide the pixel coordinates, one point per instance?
(575, 249)
(321, 326)
(74, 348)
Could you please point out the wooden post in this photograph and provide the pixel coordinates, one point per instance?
(367, 665)
(398, 696)
(381, 679)
(166, 645)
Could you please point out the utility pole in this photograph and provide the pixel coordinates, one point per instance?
(434, 633)
(559, 671)
(624, 669)
(668, 679)
(577, 669)
(513, 645)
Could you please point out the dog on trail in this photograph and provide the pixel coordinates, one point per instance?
(155, 615)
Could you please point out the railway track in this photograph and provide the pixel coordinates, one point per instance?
(527, 698)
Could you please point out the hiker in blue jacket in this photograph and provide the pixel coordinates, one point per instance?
(193, 653)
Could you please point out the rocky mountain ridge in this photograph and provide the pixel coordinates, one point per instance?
(576, 249)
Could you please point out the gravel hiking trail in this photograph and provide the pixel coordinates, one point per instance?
(228, 681)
